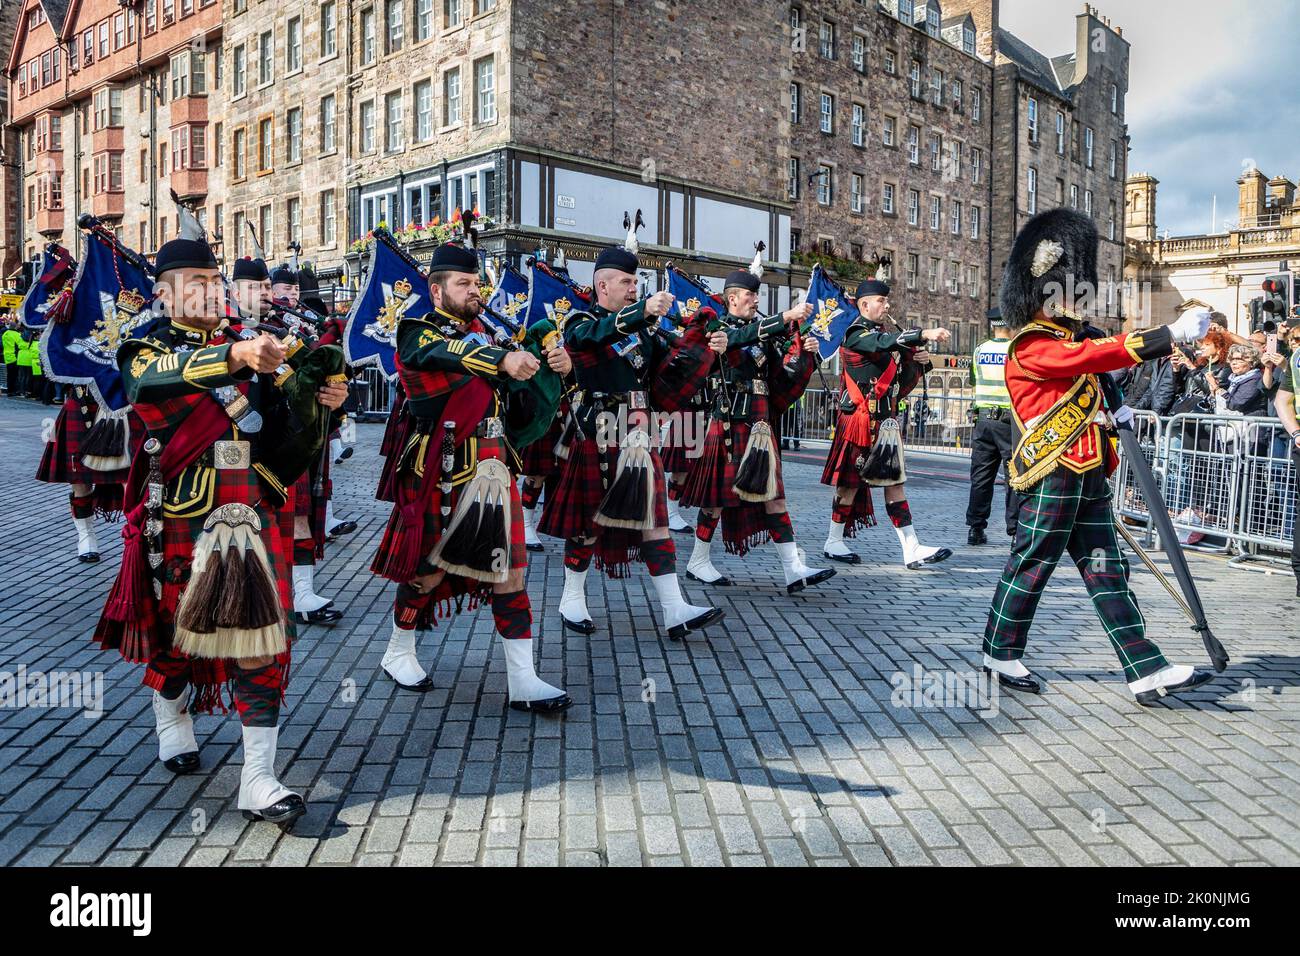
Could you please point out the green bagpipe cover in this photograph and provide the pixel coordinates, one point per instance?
(531, 406)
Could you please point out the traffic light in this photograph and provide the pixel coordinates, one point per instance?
(1276, 301)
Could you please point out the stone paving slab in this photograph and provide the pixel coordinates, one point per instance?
(778, 738)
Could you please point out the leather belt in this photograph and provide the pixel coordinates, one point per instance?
(995, 412)
(635, 401)
(757, 386)
(489, 428)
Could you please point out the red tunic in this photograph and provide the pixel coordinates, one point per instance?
(1044, 365)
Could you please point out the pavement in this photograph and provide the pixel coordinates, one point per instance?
(848, 725)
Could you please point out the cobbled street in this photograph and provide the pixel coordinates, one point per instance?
(776, 737)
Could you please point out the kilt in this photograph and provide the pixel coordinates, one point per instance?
(1069, 512)
(178, 537)
(841, 470)
(61, 462)
(538, 459)
(709, 485)
(452, 585)
(571, 511)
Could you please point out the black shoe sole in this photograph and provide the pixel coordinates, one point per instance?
(1149, 698)
(823, 575)
(182, 764)
(723, 582)
(341, 529)
(285, 819)
(555, 705)
(843, 558)
(711, 616)
(1023, 685)
(423, 687)
(578, 627)
(943, 554)
(90, 557)
(689, 529)
(329, 620)
(535, 547)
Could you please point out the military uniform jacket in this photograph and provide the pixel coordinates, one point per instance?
(613, 352)
(168, 369)
(758, 351)
(868, 353)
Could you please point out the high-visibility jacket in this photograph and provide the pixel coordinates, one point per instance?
(12, 340)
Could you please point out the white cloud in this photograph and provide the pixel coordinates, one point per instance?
(1202, 74)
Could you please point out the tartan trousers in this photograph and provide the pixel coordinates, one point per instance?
(1069, 512)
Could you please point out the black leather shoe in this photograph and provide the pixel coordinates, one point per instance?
(722, 582)
(182, 763)
(90, 557)
(1149, 698)
(1011, 532)
(1026, 685)
(340, 529)
(977, 536)
(282, 812)
(825, 574)
(423, 686)
(579, 627)
(850, 558)
(344, 455)
(943, 554)
(553, 706)
(536, 546)
(327, 615)
(711, 616)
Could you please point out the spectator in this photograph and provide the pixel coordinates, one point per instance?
(1245, 392)
(27, 346)
(1162, 388)
(12, 340)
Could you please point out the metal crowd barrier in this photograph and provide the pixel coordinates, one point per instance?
(936, 423)
(372, 393)
(1229, 483)
(1129, 500)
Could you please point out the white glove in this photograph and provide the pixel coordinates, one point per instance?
(1122, 415)
(1191, 326)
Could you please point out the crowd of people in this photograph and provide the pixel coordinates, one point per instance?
(1225, 373)
(23, 370)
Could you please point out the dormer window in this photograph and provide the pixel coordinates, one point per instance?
(968, 39)
(906, 11)
(932, 19)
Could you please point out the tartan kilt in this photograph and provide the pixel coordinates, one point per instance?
(709, 485)
(408, 483)
(538, 460)
(61, 462)
(571, 511)
(841, 470)
(711, 477)
(301, 496)
(674, 457)
(178, 537)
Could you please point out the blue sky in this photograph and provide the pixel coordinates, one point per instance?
(1213, 86)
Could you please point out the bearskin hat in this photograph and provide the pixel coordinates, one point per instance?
(1054, 257)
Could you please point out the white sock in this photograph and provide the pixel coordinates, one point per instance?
(1013, 668)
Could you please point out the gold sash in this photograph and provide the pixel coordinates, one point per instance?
(1040, 448)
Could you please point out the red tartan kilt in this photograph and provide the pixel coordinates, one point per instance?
(302, 496)
(432, 528)
(61, 463)
(538, 459)
(179, 535)
(712, 475)
(571, 511)
(841, 469)
(675, 459)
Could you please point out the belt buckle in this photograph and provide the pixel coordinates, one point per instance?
(760, 386)
(492, 428)
(228, 455)
(636, 401)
